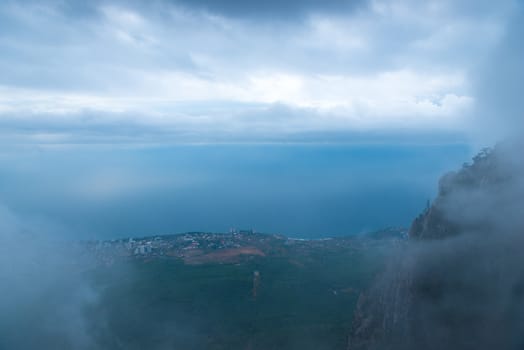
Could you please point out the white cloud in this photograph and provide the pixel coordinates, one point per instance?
(368, 100)
(398, 64)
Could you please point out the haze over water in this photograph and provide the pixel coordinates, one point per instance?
(298, 190)
(306, 118)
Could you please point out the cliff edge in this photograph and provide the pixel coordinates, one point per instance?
(459, 283)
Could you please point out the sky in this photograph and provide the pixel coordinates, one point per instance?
(120, 117)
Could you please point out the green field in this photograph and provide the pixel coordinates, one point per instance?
(304, 301)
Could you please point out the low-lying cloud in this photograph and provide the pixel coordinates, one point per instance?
(44, 295)
(459, 284)
(499, 83)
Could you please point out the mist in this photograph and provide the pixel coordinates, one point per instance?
(458, 284)
(45, 296)
(497, 79)
(299, 190)
(58, 294)
(308, 120)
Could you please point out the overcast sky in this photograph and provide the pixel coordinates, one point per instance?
(342, 114)
(226, 70)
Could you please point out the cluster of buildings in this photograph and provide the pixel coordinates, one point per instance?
(177, 246)
(194, 244)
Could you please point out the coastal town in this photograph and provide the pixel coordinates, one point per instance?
(204, 247)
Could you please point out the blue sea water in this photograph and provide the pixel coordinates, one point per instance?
(308, 191)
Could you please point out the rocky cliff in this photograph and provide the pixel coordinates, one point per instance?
(459, 284)
(461, 193)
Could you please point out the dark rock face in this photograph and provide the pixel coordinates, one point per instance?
(459, 284)
(469, 197)
(383, 312)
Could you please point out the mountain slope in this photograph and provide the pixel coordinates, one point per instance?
(459, 284)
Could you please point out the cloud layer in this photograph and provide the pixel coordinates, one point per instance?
(201, 71)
